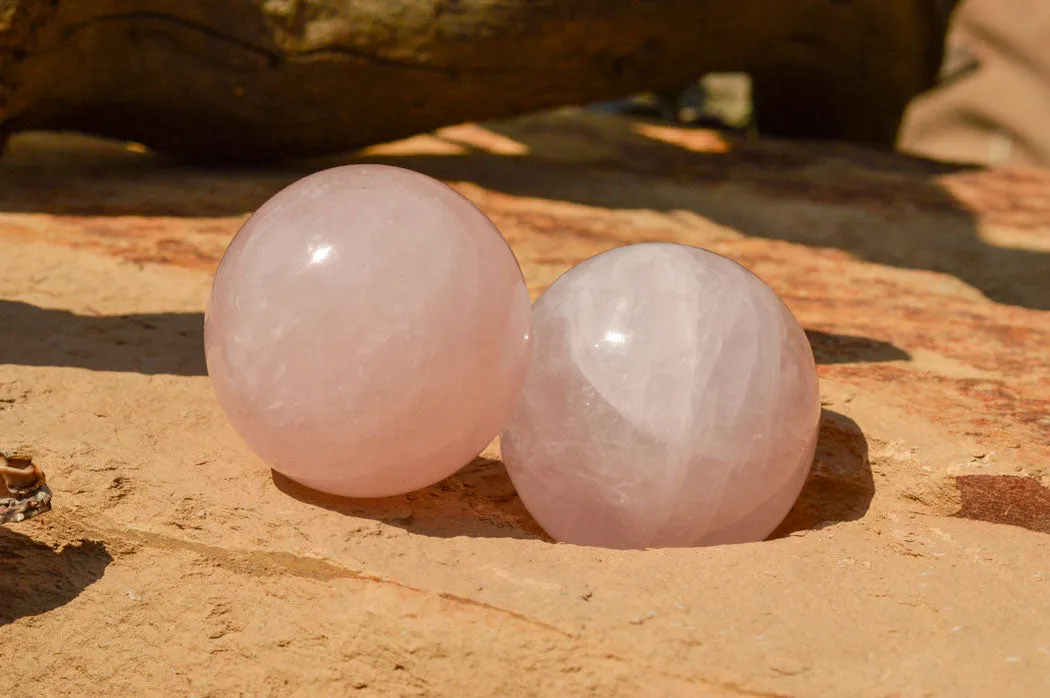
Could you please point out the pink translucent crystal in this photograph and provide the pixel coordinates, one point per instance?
(367, 332)
(672, 400)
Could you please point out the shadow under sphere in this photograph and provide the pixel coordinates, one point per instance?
(480, 502)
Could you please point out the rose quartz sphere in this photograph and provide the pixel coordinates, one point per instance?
(672, 400)
(368, 331)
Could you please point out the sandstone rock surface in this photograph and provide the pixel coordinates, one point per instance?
(913, 563)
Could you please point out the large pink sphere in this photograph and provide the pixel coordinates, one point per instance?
(672, 400)
(368, 331)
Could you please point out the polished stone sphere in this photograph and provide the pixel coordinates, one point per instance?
(672, 400)
(368, 331)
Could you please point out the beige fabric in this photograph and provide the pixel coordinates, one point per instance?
(993, 103)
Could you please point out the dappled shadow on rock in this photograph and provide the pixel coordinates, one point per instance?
(37, 578)
(878, 206)
(882, 207)
(479, 501)
(73, 175)
(840, 485)
(148, 343)
(1004, 499)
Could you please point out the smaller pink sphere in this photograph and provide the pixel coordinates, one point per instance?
(368, 331)
(672, 400)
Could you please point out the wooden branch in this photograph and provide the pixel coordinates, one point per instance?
(251, 80)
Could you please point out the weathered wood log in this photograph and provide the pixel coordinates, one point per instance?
(244, 80)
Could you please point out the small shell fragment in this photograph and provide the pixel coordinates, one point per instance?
(26, 500)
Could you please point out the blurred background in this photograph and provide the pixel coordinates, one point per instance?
(255, 81)
(989, 105)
